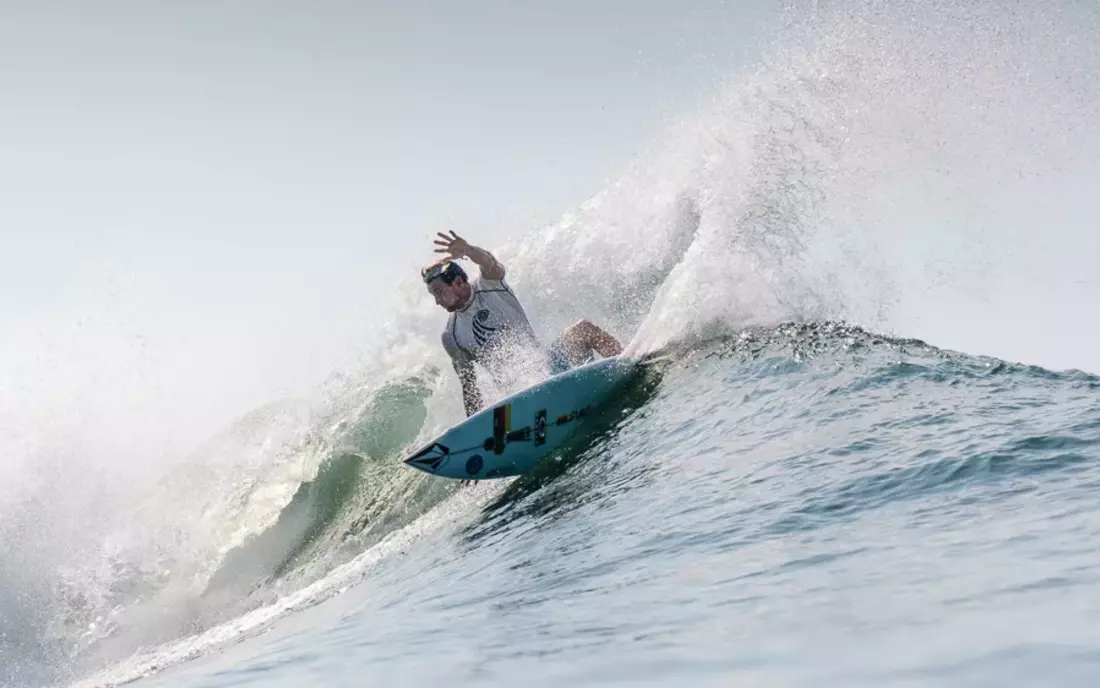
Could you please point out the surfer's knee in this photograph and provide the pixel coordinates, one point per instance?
(579, 331)
(585, 335)
(573, 340)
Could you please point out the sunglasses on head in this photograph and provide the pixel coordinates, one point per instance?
(448, 271)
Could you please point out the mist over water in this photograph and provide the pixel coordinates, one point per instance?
(920, 169)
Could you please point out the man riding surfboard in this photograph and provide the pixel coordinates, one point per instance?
(487, 325)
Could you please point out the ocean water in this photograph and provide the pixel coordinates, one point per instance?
(869, 456)
(804, 505)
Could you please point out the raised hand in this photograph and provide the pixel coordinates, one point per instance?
(455, 246)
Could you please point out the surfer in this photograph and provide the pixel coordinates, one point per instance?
(487, 324)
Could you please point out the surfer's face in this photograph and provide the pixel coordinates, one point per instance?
(450, 297)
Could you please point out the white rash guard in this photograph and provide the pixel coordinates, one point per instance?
(493, 330)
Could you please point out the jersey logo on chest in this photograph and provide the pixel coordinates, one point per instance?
(483, 331)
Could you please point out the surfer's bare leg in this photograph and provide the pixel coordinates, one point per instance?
(584, 336)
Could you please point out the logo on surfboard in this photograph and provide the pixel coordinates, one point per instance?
(429, 458)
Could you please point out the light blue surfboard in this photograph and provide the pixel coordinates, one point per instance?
(510, 437)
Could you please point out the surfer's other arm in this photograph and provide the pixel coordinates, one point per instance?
(467, 375)
(456, 247)
(471, 396)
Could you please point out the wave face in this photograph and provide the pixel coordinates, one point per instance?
(921, 171)
(803, 504)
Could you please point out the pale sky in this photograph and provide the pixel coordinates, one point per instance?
(207, 205)
(205, 202)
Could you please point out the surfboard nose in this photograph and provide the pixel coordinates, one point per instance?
(430, 458)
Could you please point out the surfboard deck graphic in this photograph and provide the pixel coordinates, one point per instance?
(508, 438)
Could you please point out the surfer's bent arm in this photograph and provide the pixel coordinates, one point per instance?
(491, 268)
